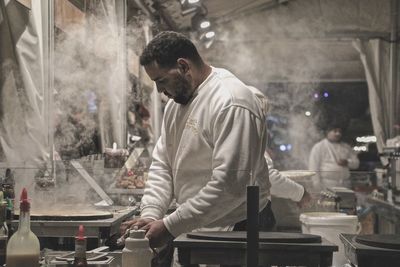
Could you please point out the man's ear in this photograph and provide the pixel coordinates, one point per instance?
(183, 65)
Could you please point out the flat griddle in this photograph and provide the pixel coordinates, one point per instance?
(380, 240)
(267, 237)
(64, 212)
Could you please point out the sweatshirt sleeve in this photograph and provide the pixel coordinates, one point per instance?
(282, 186)
(159, 187)
(314, 164)
(238, 149)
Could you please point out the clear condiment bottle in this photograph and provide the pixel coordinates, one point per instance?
(10, 216)
(80, 248)
(3, 215)
(23, 248)
(3, 229)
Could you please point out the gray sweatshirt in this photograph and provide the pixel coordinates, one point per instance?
(208, 152)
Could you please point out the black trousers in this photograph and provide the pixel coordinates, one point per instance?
(266, 220)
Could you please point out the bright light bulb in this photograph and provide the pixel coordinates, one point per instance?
(360, 148)
(210, 35)
(205, 24)
(366, 139)
(282, 147)
(193, 1)
(307, 113)
(316, 95)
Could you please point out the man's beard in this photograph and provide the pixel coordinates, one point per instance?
(183, 91)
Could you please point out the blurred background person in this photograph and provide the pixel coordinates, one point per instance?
(332, 159)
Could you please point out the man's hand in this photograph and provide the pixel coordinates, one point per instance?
(157, 233)
(138, 222)
(343, 162)
(305, 200)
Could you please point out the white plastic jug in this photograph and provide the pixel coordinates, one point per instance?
(329, 225)
(137, 252)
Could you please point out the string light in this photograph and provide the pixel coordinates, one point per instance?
(210, 34)
(366, 139)
(360, 148)
(205, 24)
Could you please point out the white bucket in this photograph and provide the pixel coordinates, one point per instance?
(329, 225)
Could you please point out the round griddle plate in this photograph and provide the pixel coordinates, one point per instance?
(68, 217)
(381, 241)
(68, 213)
(270, 237)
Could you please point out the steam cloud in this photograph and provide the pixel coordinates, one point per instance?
(289, 45)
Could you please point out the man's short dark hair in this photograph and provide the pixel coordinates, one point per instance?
(167, 47)
(336, 124)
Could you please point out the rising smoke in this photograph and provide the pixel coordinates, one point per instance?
(278, 54)
(90, 81)
(286, 52)
(91, 85)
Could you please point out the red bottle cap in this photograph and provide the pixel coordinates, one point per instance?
(81, 233)
(24, 202)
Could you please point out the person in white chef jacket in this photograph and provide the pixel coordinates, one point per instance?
(332, 159)
(211, 146)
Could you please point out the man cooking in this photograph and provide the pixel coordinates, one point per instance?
(332, 159)
(211, 145)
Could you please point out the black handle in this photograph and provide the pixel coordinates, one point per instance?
(252, 225)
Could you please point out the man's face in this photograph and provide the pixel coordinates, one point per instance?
(171, 82)
(334, 135)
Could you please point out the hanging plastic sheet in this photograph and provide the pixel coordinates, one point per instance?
(90, 77)
(22, 90)
(375, 56)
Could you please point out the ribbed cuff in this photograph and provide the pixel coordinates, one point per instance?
(173, 224)
(300, 193)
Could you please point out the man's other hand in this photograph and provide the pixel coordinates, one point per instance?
(305, 201)
(138, 222)
(157, 233)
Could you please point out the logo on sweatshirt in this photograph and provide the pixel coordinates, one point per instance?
(192, 124)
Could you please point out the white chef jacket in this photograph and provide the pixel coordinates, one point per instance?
(323, 159)
(208, 151)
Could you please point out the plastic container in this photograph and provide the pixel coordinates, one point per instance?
(329, 225)
(137, 250)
